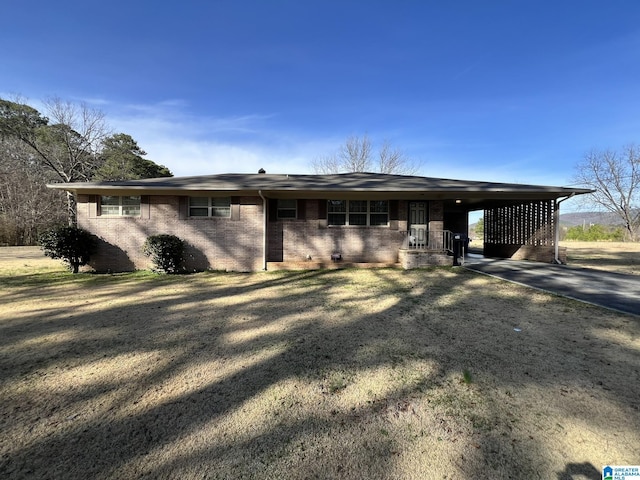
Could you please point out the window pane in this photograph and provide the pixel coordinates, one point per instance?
(337, 219)
(289, 203)
(221, 202)
(358, 206)
(378, 219)
(287, 208)
(337, 206)
(357, 219)
(199, 201)
(110, 210)
(131, 210)
(109, 200)
(221, 212)
(131, 200)
(379, 206)
(221, 207)
(199, 212)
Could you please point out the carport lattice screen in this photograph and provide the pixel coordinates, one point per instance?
(523, 224)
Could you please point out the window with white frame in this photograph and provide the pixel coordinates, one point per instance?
(371, 213)
(210, 207)
(120, 206)
(287, 209)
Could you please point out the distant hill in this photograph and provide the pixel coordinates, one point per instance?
(588, 218)
(582, 218)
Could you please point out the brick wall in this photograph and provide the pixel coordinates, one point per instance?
(302, 240)
(297, 240)
(410, 259)
(233, 244)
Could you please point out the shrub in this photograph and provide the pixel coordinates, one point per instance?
(594, 233)
(71, 244)
(166, 252)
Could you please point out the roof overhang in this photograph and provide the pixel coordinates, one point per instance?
(471, 195)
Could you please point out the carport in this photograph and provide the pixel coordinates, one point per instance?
(520, 221)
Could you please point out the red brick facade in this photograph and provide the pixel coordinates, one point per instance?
(233, 244)
(236, 243)
(311, 238)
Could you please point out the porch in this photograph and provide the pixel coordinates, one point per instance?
(311, 249)
(423, 248)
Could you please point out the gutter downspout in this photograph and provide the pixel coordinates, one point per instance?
(556, 258)
(265, 208)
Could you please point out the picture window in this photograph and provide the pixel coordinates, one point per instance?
(363, 213)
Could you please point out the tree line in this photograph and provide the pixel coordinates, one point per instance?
(70, 142)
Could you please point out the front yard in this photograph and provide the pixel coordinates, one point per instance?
(327, 374)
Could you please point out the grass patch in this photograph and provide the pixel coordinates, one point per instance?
(621, 257)
(384, 372)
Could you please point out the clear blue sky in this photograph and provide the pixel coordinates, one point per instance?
(514, 91)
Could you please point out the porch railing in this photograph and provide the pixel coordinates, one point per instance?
(424, 239)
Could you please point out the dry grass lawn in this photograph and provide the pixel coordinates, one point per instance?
(376, 374)
(613, 256)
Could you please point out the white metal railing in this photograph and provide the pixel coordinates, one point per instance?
(421, 238)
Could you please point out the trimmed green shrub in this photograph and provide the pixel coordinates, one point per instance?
(71, 244)
(166, 252)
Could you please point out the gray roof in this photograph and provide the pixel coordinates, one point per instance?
(345, 185)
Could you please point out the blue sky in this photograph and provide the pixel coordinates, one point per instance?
(514, 91)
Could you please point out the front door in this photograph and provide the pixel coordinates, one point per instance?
(418, 225)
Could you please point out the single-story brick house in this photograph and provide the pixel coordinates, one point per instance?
(250, 222)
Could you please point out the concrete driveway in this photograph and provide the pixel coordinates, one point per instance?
(606, 289)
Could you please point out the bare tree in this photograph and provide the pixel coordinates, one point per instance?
(27, 206)
(615, 179)
(392, 160)
(66, 142)
(326, 164)
(77, 132)
(357, 154)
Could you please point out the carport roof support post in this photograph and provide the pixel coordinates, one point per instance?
(556, 226)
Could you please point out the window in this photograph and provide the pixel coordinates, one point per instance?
(209, 206)
(287, 209)
(378, 212)
(358, 212)
(372, 213)
(337, 210)
(116, 206)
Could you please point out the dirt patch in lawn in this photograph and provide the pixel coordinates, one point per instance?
(326, 374)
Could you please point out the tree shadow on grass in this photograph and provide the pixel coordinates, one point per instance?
(305, 375)
(575, 471)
